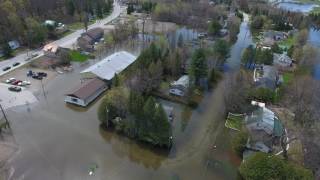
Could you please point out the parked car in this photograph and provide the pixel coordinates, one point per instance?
(10, 80)
(42, 74)
(6, 68)
(15, 64)
(29, 73)
(24, 83)
(14, 88)
(35, 76)
(16, 82)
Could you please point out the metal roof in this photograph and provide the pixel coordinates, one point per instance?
(87, 89)
(111, 65)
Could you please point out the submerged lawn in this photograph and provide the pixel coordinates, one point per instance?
(78, 57)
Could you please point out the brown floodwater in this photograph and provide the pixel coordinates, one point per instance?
(62, 142)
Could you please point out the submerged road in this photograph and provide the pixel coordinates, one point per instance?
(66, 41)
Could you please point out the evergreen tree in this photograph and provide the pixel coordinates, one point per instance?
(99, 11)
(162, 128)
(7, 51)
(145, 128)
(198, 68)
(115, 80)
(70, 7)
(214, 28)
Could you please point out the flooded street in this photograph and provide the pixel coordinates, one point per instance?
(59, 141)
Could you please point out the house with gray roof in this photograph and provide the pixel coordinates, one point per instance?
(180, 87)
(264, 128)
(266, 76)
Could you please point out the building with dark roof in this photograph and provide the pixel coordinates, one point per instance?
(86, 92)
(87, 39)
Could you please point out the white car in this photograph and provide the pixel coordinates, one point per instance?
(10, 80)
(24, 83)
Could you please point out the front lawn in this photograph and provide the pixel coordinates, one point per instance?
(234, 121)
(287, 43)
(78, 57)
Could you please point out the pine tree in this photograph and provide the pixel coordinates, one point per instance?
(162, 128)
(198, 68)
(99, 11)
(70, 7)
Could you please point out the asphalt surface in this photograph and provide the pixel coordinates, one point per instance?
(66, 41)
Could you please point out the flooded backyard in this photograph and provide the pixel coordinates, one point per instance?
(59, 141)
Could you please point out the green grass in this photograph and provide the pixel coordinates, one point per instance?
(287, 43)
(287, 77)
(75, 26)
(234, 121)
(78, 57)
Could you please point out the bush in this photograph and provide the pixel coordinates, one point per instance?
(265, 166)
(263, 94)
(239, 143)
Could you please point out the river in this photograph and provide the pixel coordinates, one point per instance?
(59, 141)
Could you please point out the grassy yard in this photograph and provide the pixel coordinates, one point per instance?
(287, 43)
(234, 121)
(287, 77)
(78, 57)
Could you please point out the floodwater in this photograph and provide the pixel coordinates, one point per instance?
(314, 40)
(297, 7)
(59, 141)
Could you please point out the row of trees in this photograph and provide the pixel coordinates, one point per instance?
(252, 55)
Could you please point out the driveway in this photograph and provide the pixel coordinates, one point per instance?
(66, 41)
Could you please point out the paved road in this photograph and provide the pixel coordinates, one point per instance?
(66, 41)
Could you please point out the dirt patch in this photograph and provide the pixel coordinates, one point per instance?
(151, 27)
(295, 152)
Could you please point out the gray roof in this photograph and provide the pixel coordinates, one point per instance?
(111, 65)
(282, 60)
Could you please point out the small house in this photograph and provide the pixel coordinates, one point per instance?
(88, 39)
(180, 87)
(86, 92)
(14, 44)
(266, 76)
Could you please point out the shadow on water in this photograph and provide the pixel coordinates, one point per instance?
(141, 153)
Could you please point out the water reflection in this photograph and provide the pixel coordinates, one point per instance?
(140, 153)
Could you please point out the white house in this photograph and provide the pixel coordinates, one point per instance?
(180, 87)
(14, 44)
(109, 66)
(86, 92)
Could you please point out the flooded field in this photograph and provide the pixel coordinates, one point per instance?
(59, 141)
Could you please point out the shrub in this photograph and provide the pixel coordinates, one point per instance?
(239, 143)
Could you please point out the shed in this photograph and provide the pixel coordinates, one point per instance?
(109, 66)
(86, 92)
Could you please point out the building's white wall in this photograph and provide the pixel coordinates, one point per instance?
(79, 102)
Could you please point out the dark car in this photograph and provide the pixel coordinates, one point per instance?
(35, 76)
(14, 89)
(16, 64)
(42, 74)
(6, 68)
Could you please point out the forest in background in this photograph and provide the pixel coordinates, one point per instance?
(22, 20)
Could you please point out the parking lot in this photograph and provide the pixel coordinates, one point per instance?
(10, 99)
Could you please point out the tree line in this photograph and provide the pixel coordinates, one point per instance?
(22, 20)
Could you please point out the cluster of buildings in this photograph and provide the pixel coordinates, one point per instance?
(98, 77)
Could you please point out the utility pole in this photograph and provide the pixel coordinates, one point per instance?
(4, 115)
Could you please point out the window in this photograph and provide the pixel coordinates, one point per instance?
(74, 100)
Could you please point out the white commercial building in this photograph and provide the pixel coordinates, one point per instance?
(108, 67)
